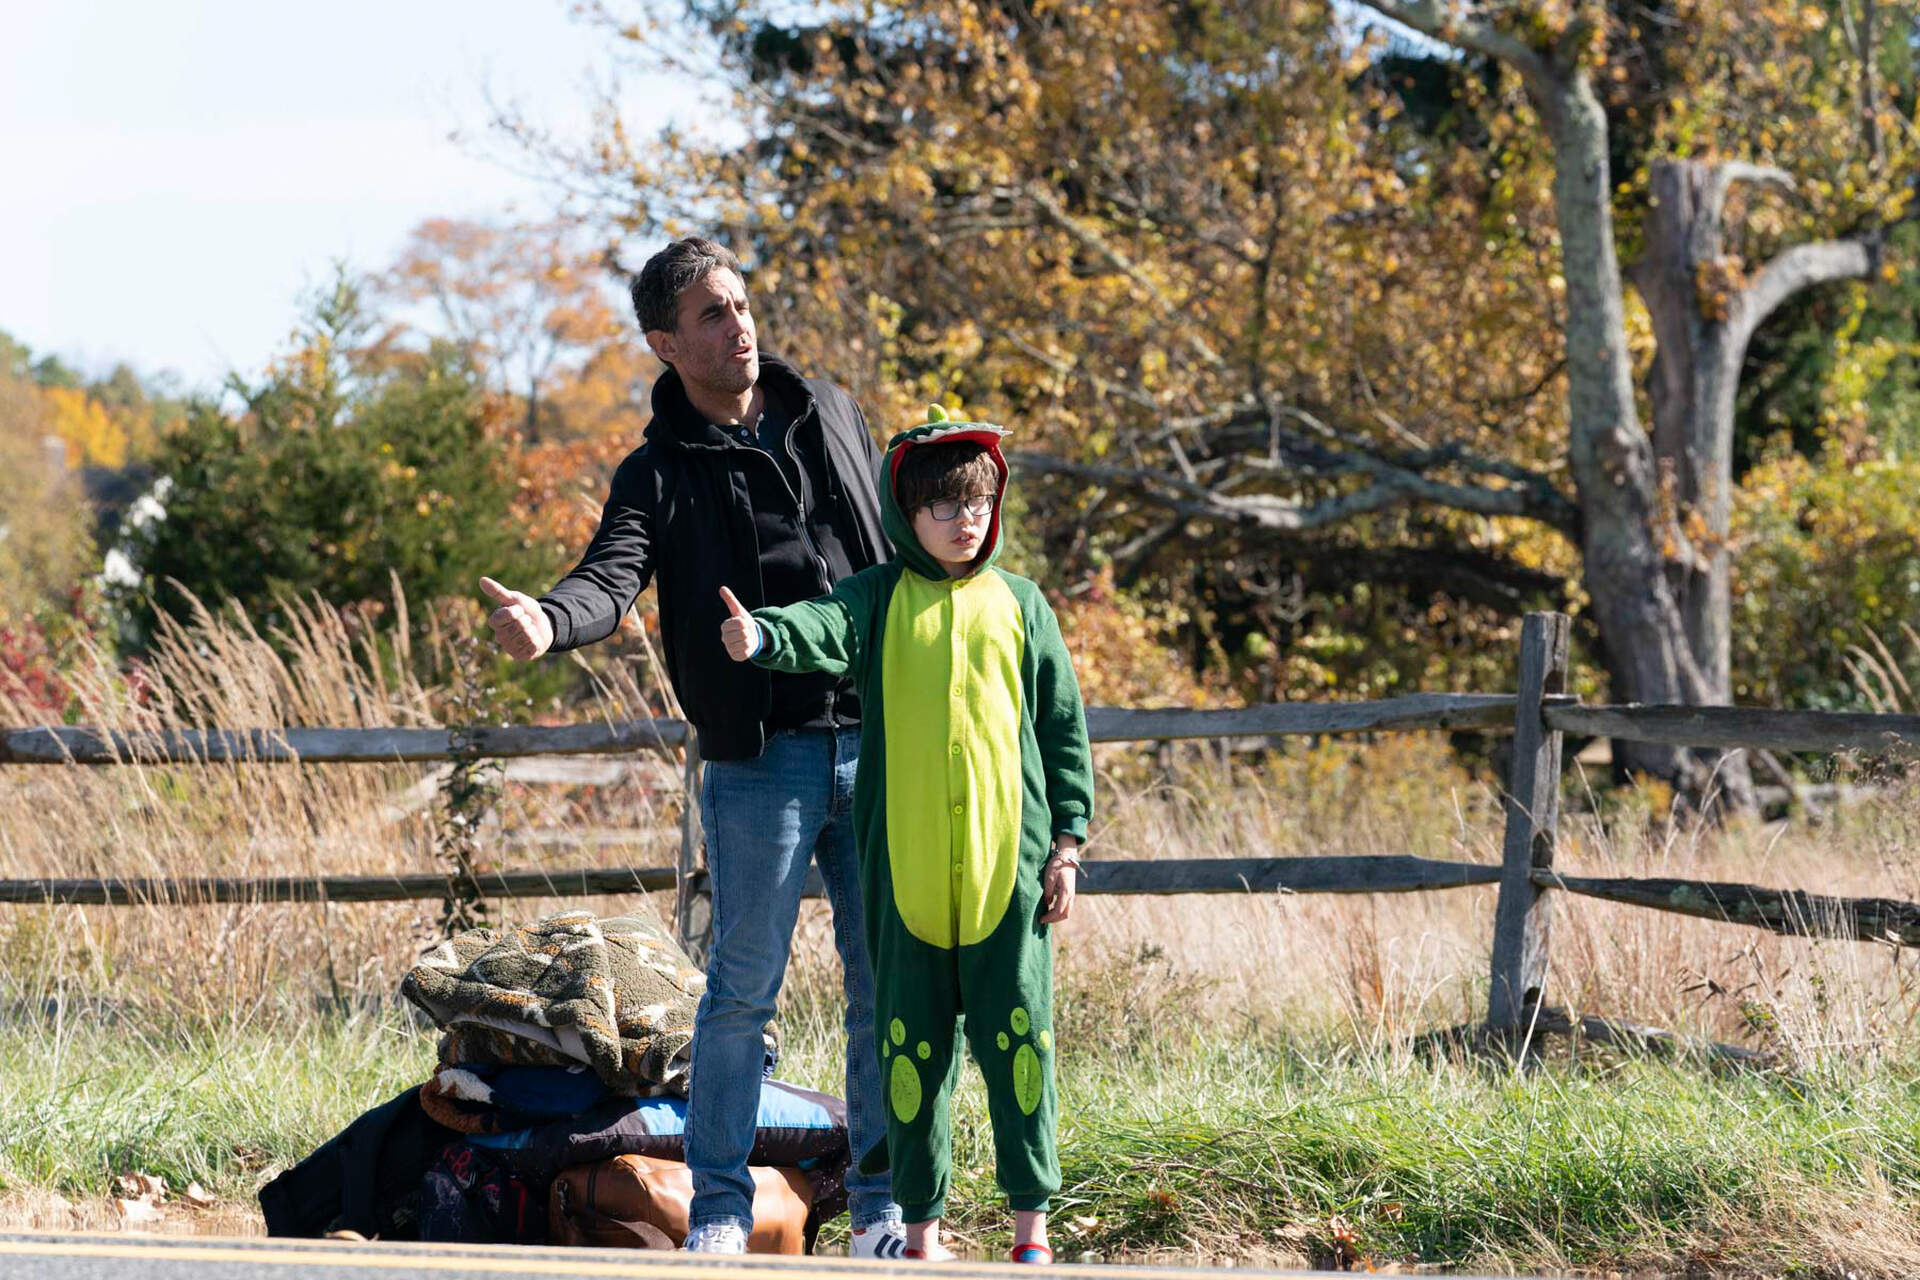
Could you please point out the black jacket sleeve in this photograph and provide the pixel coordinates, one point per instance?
(589, 602)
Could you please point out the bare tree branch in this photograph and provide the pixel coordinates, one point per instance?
(1435, 18)
(1728, 172)
(1328, 451)
(1802, 267)
(1861, 39)
(1705, 239)
(1391, 488)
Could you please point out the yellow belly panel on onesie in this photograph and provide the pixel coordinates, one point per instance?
(950, 669)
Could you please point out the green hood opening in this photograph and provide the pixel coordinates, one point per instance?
(938, 429)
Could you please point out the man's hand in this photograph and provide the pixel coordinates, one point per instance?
(739, 632)
(519, 625)
(1058, 880)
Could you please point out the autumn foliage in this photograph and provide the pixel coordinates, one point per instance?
(1274, 298)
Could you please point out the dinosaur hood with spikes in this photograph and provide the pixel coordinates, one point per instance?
(939, 428)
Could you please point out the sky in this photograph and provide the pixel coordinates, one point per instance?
(174, 176)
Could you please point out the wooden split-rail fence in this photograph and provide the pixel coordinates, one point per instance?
(1538, 715)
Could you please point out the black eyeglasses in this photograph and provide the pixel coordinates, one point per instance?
(946, 509)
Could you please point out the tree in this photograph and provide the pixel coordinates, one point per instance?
(533, 315)
(46, 544)
(1656, 509)
(1204, 253)
(1258, 310)
(340, 474)
(101, 422)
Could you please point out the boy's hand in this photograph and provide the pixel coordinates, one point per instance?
(520, 625)
(1058, 880)
(739, 632)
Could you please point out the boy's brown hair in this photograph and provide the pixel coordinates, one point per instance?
(944, 470)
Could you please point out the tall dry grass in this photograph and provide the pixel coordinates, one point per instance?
(1374, 970)
(1380, 968)
(1240, 1066)
(1373, 967)
(240, 819)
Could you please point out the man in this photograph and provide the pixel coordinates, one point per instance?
(755, 479)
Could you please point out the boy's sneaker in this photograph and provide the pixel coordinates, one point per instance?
(884, 1239)
(932, 1253)
(716, 1237)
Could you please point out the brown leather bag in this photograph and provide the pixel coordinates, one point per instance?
(641, 1202)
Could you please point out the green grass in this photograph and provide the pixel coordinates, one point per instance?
(1598, 1166)
(1200, 1143)
(82, 1101)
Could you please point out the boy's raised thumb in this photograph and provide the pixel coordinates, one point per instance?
(498, 592)
(734, 607)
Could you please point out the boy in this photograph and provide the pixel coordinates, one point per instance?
(973, 792)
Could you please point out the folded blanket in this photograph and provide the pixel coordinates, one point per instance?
(617, 994)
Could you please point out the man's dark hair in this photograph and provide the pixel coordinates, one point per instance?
(671, 272)
(948, 470)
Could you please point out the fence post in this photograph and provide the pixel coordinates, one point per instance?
(692, 907)
(1533, 814)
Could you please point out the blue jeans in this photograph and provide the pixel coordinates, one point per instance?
(766, 820)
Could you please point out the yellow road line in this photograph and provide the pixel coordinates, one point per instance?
(464, 1258)
(353, 1257)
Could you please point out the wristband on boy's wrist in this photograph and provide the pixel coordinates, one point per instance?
(759, 638)
(1066, 858)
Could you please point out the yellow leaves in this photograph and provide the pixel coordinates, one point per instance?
(92, 436)
(1716, 286)
(1831, 554)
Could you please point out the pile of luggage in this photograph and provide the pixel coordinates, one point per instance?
(557, 1111)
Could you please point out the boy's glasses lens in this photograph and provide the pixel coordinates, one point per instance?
(950, 508)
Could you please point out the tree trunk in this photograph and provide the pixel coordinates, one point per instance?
(1691, 288)
(1649, 655)
(1655, 513)
(1705, 306)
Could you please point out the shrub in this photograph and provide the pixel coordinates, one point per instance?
(340, 476)
(1827, 560)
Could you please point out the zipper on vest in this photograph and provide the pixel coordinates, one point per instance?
(800, 510)
(813, 547)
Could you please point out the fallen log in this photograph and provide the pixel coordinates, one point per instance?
(1478, 1039)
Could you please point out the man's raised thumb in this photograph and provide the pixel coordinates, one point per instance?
(734, 607)
(498, 592)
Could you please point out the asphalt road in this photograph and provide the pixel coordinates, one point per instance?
(58, 1256)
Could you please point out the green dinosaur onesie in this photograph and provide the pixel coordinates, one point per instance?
(973, 755)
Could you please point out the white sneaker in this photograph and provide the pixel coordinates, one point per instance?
(884, 1239)
(716, 1237)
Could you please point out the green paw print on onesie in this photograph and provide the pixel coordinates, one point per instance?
(903, 1078)
(1028, 1077)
